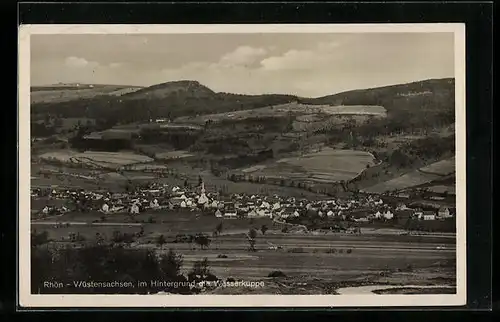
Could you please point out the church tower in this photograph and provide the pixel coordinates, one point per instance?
(203, 198)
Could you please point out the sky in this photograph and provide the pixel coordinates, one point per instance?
(308, 65)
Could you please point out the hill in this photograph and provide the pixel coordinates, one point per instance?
(414, 102)
(70, 92)
(168, 100)
(427, 95)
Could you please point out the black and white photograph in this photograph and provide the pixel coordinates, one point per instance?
(242, 165)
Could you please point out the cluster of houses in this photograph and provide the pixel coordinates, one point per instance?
(161, 196)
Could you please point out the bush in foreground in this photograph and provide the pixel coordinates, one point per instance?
(108, 263)
(276, 274)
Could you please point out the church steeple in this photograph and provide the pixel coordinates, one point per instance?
(203, 198)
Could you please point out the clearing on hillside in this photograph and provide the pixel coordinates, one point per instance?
(285, 109)
(327, 165)
(103, 159)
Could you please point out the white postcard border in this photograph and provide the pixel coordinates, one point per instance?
(28, 300)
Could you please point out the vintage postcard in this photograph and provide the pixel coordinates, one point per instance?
(242, 165)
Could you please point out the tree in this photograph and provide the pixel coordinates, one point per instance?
(252, 234)
(218, 231)
(202, 241)
(160, 241)
(171, 264)
(201, 272)
(263, 229)
(39, 238)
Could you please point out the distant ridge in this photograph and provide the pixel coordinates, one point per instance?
(420, 100)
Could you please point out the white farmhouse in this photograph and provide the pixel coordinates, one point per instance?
(218, 213)
(183, 204)
(388, 215)
(154, 204)
(45, 210)
(134, 209)
(230, 214)
(444, 213)
(105, 208)
(265, 205)
(252, 214)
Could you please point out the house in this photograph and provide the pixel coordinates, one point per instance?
(214, 204)
(388, 215)
(429, 215)
(134, 209)
(265, 205)
(403, 195)
(330, 213)
(46, 210)
(183, 204)
(115, 209)
(444, 213)
(154, 204)
(218, 213)
(105, 208)
(401, 206)
(230, 214)
(276, 206)
(252, 214)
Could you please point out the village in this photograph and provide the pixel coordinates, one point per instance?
(356, 211)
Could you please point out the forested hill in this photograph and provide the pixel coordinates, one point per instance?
(434, 98)
(423, 96)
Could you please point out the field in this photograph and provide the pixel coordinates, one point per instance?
(54, 94)
(425, 175)
(285, 109)
(302, 254)
(327, 165)
(316, 122)
(169, 155)
(104, 159)
(442, 189)
(443, 167)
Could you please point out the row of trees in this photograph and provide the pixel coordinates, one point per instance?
(106, 263)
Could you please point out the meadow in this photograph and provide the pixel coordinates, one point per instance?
(425, 175)
(55, 94)
(104, 159)
(443, 167)
(327, 165)
(286, 109)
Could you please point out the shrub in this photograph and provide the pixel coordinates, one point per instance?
(221, 256)
(275, 274)
(349, 251)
